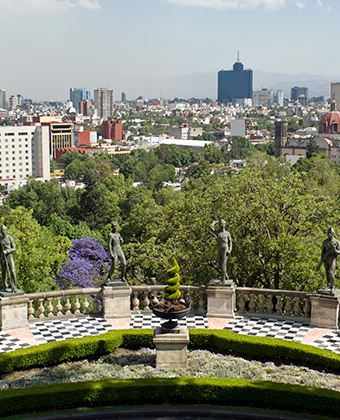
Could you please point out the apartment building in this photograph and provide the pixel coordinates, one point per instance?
(24, 153)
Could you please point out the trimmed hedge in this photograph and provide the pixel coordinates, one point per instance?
(180, 391)
(227, 342)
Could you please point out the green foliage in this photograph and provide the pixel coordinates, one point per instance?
(171, 291)
(177, 390)
(312, 148)
(38, 254)
(268, 148)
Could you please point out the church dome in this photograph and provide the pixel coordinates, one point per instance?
(330, 122)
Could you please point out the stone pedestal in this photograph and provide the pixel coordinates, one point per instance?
(221, 300)
(116, 300)
(171, 347)
(325, 311)
(13, 312)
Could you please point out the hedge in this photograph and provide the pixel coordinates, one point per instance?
(224, 392)
(227, 342)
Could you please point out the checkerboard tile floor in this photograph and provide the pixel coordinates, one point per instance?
(286, 330)
(9, 343)
(139, 321)
(58, 330)
(329, 341)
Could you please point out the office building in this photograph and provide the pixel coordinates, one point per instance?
(335, 94)
(112, 130)
(84, 137)
(236, 84)
(14, 102)
(263, 97)
(78, 95)
(297, 91)
(3, 98)
(279, 98)
(84, 107)
(103, 102)
(24, 154)
(124, 97)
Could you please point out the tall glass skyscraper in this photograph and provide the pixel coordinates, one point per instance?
(78, 95)
(235, 84)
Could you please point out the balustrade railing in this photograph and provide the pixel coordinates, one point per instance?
(143, 296)
(281, 304)
(64, 304)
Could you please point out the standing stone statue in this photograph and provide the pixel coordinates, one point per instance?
(330, 251)
(7, 247)
(116, 252)
(224, 246)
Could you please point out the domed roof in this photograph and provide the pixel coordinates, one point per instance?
(330, 122)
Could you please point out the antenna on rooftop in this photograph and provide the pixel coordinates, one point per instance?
(238, 56)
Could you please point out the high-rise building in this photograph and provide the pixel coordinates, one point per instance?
(263, 97)
(103, 102)
(335, 94)
(79, 94)
(124, 97)
(3, 98)
(24, 153)
(84, 106)
(297, 91)
(279, 98)
(235, 84)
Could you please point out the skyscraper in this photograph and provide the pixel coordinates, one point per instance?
(103, 102)
(3, 98)
(297, 91)
(235, 84)
(78, 95)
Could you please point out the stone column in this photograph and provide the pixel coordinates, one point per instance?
(221, 301)
(325, 310)
(13, 312)
(171, 347)
(116, 300)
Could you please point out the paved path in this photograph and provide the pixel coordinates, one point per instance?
(43, 332)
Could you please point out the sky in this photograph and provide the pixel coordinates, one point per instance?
(49, 46)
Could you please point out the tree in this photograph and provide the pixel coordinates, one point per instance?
(86, 265)
(39, 256)
(312, 148)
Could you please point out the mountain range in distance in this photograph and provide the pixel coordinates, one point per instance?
(204, 85)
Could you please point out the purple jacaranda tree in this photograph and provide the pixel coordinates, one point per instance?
(86, 265)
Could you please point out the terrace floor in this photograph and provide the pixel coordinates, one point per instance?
(56, 330)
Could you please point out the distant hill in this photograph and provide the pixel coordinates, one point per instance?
(203, 85)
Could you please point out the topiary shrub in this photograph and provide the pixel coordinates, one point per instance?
(171, 292)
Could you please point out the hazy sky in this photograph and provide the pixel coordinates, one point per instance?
(48, 46)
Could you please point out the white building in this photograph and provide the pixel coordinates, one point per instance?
(263, 97)
(24, 153)
(103, 102)
(3, 98)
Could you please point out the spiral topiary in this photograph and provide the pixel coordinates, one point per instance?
(171, 292)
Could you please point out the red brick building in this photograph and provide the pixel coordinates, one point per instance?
(112, 130)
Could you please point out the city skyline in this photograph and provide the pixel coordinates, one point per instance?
(134, 46)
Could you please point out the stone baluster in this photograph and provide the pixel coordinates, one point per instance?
(306, 308)
(201, 302)
(30, 310)
(252, 303)
(261, 304)
(95, 304)
(278, 305)
(85, 305)
(242, 304)
(270, 305)
(49, 308)
(146, 301)
(297, 306)
(59, 307)
(135, 302)
(68, 306)
(41, 308)
(77, 306)
(287, 308)
(154, 298)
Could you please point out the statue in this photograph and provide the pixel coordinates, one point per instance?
(224, 246)
(7, 247)
(330, 251)
(116, 252)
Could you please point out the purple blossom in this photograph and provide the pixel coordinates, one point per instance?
(85, 266)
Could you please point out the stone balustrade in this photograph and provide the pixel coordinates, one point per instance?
(121, 300)
(63, 304)
(280, 304)
(143, 296)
